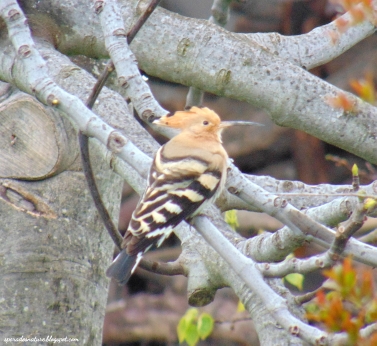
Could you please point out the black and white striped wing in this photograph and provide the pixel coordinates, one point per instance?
(177, 190)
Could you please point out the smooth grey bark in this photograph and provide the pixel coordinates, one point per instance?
(52, 267)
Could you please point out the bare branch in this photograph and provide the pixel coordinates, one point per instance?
(102, 211)
(316, 47)
(129, 77)
(301, 227)
(327, 259)
(306, 297)
(304, 196)
(246, 269)
(296, 265)
(170, 268)
(347, 230)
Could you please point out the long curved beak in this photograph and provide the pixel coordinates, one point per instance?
(225, 124)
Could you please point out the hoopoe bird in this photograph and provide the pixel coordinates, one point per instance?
(187, 173)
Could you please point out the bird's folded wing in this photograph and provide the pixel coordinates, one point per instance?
(172, 197)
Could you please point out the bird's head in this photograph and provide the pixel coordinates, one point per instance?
(198, 121)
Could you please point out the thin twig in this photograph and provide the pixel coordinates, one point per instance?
(366, 176)
(240, 319)
(99, 84)
(142, 19)
(170, 268)
(307, 297)
(98, 202)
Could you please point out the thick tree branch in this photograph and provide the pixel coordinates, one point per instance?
(219, 16)
(129, 77)
(316, 47)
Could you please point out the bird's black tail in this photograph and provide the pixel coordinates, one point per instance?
(121, 268)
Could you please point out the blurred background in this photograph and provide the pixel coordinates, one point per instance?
(148, 309)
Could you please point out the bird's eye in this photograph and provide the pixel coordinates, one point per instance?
(205, 122)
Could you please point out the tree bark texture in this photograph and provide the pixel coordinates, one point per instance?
(53, 254)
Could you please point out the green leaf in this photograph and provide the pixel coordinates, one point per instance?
(181, 329)
(192, 335)
(240, 307)
(355, 170)
(191, 315)
(295, 279)
(231, 219)
(185, 323)
(205, 325)
(369, 204)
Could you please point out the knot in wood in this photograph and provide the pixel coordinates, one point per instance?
(319, 263)
(223, 76)
(123, 82)
(183, 46)
(116, 142)
(52, 100)
(141, 6)
(321, 341)
(294, 330)
(280, 202)
(148, 115)
(98, 6)
(13, 15)
(335, 257)
(119, 32)
(233, 190)
(288, 186)
(24, 51)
